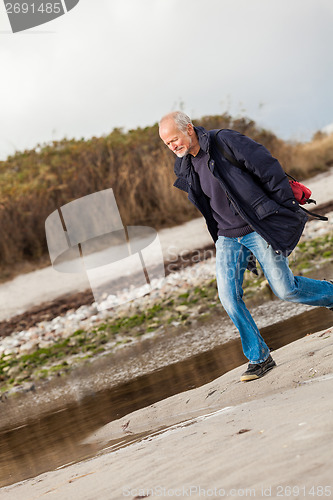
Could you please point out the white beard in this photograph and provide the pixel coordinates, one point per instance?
(184, 152)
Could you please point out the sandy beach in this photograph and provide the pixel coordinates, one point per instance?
(268, 438)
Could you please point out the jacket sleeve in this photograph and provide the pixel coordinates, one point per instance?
(259, 161)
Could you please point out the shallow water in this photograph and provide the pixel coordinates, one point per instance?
(53, 441)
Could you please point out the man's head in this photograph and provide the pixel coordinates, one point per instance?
(177, 132)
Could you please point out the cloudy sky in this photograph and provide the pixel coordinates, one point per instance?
(124, 63)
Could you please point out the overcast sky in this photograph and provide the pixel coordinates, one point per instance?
(124, 63)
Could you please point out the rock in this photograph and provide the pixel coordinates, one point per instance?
(29, 347)
(13, 371)
(202, 309)
(10, 349)
(153, 325)
(7, 357)
(26, 387)
(181, 308)
(44, 344)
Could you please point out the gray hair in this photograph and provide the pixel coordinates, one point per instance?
(181, 120)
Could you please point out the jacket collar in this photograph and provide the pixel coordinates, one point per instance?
(203, 138)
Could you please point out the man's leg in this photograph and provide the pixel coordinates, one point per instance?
(231, 262)
(282, 281)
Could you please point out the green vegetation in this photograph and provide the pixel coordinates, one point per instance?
(312, 253)
(81, 345)
(135, 164)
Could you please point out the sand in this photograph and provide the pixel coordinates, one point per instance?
(266, 438)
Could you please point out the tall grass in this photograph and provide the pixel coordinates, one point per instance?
(138, 167)
(313, 157)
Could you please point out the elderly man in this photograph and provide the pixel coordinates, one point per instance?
(250, 210)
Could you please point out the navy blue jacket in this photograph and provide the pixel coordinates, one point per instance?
(259, 192)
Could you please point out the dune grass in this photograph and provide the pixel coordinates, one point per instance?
(135, 164)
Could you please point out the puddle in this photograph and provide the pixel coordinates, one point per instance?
(54, 441)
(117, 444)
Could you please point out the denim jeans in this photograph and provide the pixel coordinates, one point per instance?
(231, 261)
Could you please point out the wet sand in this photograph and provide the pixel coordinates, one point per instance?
(271, 437)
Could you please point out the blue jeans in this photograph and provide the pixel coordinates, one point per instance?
(232, 255)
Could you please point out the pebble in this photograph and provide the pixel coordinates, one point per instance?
(28, 347)
(46, 333)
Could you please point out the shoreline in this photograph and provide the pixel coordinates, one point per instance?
(174, 333)
(150, 355)
(301, 365)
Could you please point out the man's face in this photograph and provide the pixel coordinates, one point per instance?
(179, 142)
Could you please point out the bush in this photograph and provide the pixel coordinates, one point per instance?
(138, 167)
